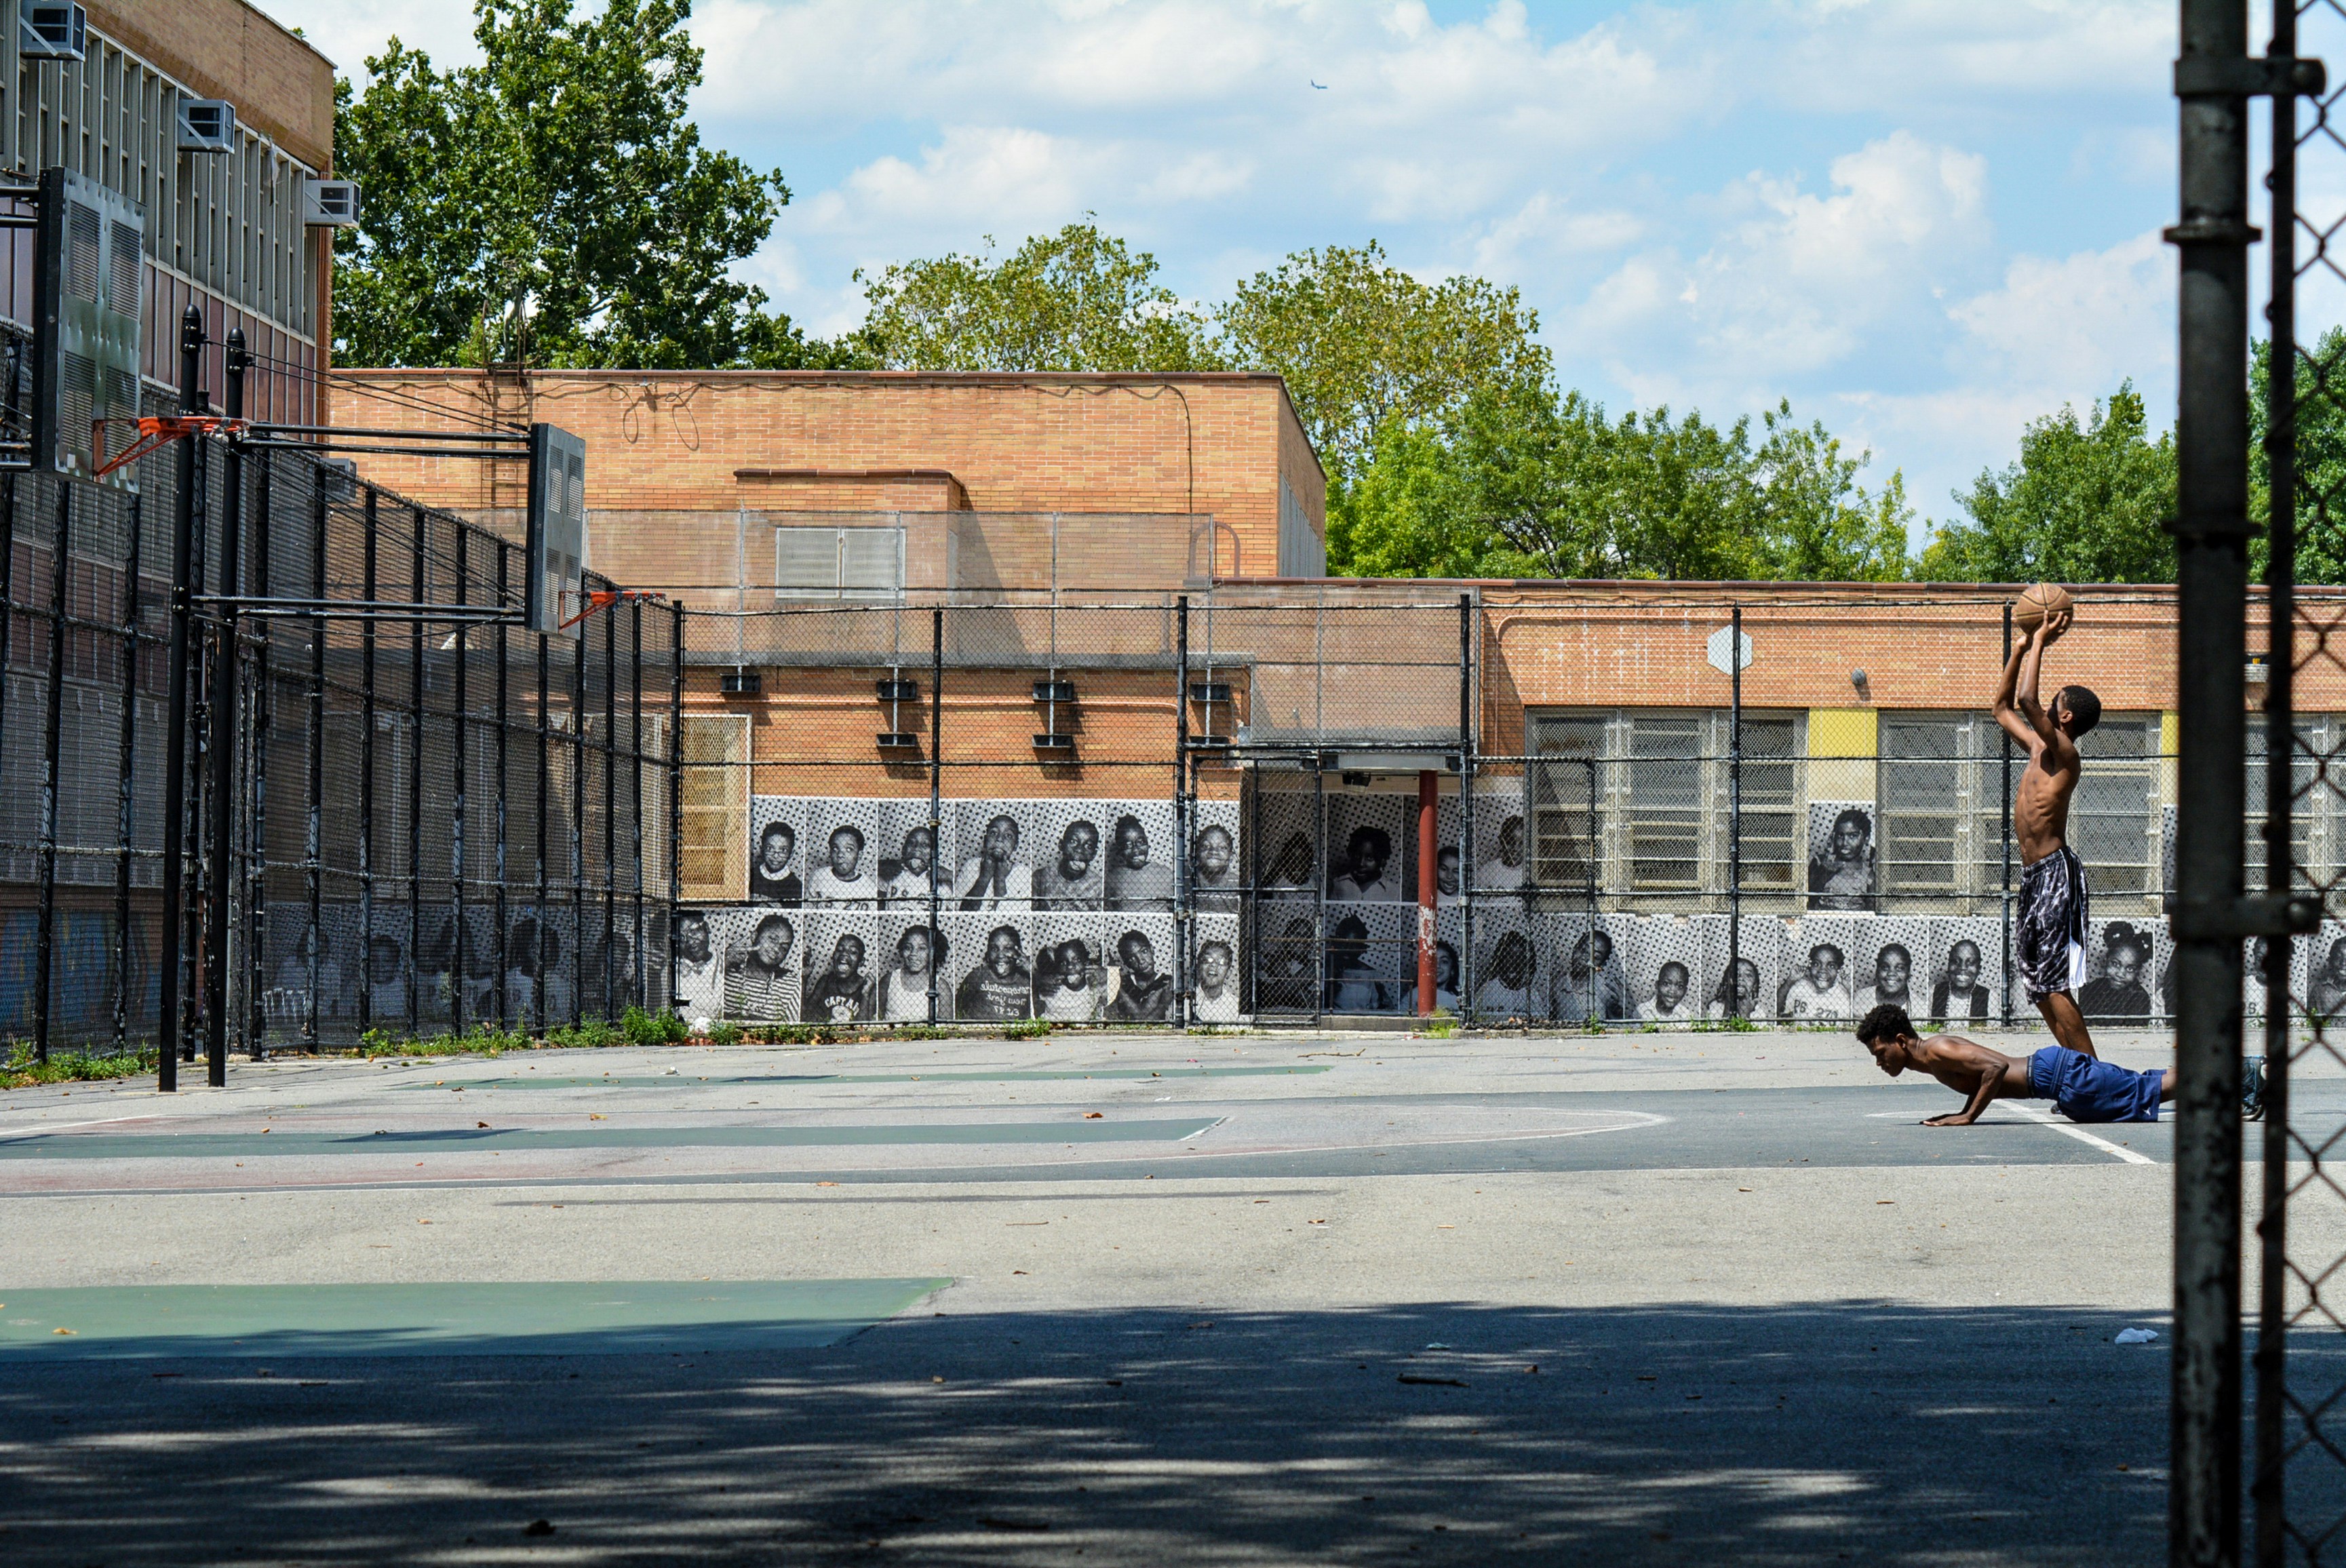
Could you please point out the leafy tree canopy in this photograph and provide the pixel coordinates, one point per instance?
(2087, 503)
(1520, 481)
(2321, 459)
(554, 200)
(1364, 346)
(1075, 301)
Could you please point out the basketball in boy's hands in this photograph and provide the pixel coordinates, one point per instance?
(2029, 610)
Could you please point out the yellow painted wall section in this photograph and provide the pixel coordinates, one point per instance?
(1842, 744)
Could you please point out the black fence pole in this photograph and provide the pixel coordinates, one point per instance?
(256, 890)
(2269, 1487)
(2210, 920)
(611, 749)
(676, 793)
(415, 712)
(460, 966)
(226, 708)
(502, 913)
(936, 793)
(636, 789)
(52, 742)
(364, 958)
(313, 834)
(579, 830)
(1469, 765)
(1184, 920)
(175, 721)
(539, 922)
(1731, 983)
(126, 784)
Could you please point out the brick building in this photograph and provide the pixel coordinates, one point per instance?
(992, 535)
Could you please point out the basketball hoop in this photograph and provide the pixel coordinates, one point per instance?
(155, 433)
(593, 599)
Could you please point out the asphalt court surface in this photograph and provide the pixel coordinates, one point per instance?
(1633, 1298)
(1381, 1108)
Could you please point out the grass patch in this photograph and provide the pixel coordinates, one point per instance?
(21, 1070)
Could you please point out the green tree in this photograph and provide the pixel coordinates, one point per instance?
(1362, 344)
(2087, 503)
(553, 202)
(2321, 459)
(1076, 300)
(1522, 482)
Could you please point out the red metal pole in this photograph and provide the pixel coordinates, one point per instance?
(1425, 888)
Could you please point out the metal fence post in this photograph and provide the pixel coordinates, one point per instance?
(2003, 901)
(936, 789)
(1184, 922)
(459, 935)
(503, 914)
(127, 785)
(52, 740)
(415, 710)
(676, 791)
(364, 957)
(2269, 1489)
(256, 993)
(2211, 581)
(1467, 764)
(175, 723)
(226, 709)
(314, 835)
(1731, 983)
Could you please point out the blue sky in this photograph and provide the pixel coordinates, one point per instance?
(1923, 222)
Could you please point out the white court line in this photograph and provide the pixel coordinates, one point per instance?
(2082, 1137)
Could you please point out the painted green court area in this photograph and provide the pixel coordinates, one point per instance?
(507, 1140)
(664, 1081)
(546, 1318)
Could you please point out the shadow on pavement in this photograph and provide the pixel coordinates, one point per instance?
(1857, 1432)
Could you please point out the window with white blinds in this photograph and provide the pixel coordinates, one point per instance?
(839, 563)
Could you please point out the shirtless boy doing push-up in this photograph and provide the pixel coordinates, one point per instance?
(2082, 1088)
(2049, 934)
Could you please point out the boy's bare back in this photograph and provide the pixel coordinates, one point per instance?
(1963, 1065)
(2040, 807)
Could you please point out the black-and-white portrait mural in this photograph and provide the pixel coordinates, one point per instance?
(1964, 973)
(1075, 973)
(777, 850)
(1666, 962)
(843, 966)
(1887, 959)
(1372, 958)
(1140, 950)
(1370, 858)
(1216, 873)
(1841, 855)
(1286, 955)
(842, 855)
(992, 967)
(1819, 984)
(1741, 980)
(699, 968)
(909, 953)
(1142, 854)
(2121, 972)
(997, 843)
(909, 858)
(1588, 967)
(1071, 854)
(1511, 969)
(762, 953)
(1215, 992)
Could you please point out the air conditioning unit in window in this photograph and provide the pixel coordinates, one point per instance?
(330, 203)
(47, 31)
(206, 125)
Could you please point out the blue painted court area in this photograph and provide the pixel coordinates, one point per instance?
(538, 1317)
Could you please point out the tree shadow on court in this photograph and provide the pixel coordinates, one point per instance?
(1858, 1432)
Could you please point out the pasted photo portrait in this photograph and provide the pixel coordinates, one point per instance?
(1666, 957)
(1886, 959)
(1140, 948)
(699, 972)
(843, 848)
(910, 951)
(761, 956)
(1214, 990)
(1819, 982)
(1071, 856)
(541, 975)
(1511, 975)
(286, 933)
(1589, 976)
(776, 823)
(1841, 855)
(909, 865)
(1286, 955)
(1964, 972)
(1372, 961)
(1074, 973)
(842, 961)
(1368, 860)
(996, 850)
(1215, 871)
(997, 971)
(2121, 965)
(2325, 987)
(1141, 850)
(1742, 978)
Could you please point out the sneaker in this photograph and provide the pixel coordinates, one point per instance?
(2252, 1088)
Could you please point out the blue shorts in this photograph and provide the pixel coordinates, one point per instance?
(2086, 1089)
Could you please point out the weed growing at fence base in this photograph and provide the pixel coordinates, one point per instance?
(22, 1072)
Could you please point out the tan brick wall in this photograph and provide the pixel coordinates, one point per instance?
(280, 84)
(1183, 444)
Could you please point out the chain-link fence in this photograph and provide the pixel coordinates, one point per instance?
(865, 784)
(403, 810)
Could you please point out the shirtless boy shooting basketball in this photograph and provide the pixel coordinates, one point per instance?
(2082, 1088)
(2049, 934)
